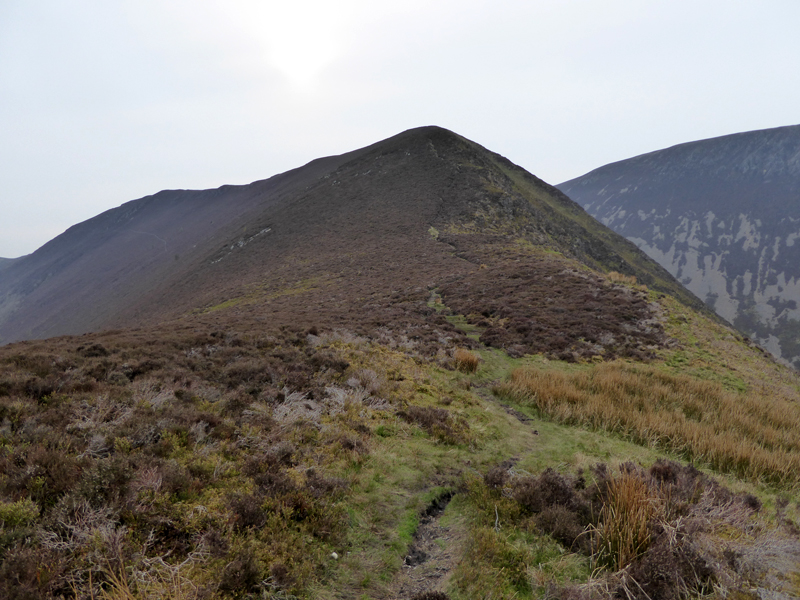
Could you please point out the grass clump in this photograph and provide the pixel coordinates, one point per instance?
(624, 533)
(496, 564)
(749, 435)
(660, 533)
(466, 361)
(616, 277)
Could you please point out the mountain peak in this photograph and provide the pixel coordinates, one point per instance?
(407, 214)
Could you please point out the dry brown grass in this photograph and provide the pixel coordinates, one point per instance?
(158, 581)
(616, 277)
(750, 435)
(624, 531)
(466, 361)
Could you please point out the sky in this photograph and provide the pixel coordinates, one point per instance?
(105, 102)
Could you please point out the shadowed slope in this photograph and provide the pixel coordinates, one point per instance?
(723, 216)
(6, 262)
(97, 270)
(345, 239)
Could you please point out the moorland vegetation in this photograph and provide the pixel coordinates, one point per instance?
(175, 463)
(498, 401)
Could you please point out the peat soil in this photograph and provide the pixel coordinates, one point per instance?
(433, 555)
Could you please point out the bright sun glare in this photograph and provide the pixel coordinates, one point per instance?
(302, 37)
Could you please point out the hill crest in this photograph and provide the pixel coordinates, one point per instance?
(304, 243)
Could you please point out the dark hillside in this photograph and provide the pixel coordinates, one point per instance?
(332, 241)
(83, 279)
(6, 262)
(723, 216)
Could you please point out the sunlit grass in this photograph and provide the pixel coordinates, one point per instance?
(750, 435)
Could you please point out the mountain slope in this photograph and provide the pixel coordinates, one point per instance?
(413, 371)
(307, 243)
(6, 262)
(94, 274)
(723, 216)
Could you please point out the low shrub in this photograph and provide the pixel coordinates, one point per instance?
(28, 573)
(247, 511)
(671, 570)
(496, 477)
(438, 422)
(565, 526)
(241, 575)
(431, 596)
(550, 488)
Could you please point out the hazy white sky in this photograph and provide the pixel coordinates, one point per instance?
(104, 102)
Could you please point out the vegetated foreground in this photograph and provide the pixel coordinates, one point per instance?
(423, 373)
(219, 458)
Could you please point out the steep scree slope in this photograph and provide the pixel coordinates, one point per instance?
(721, 215)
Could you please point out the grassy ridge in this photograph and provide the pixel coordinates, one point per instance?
(747, 434)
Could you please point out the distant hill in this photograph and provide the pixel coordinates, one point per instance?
(721, 215)
(317, 244)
